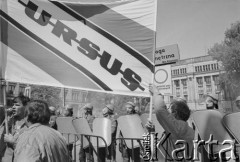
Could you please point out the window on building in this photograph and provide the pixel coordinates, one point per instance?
(216, 83)
(200, 97)
(186, 97)
(75, 95)
(181, 71)
(199, 81)
(208, 67)
(177, 83)
(212, 67)
(216, 66)
(217, 88)
(216, 79)
(184, 82)
(185, 91)
(209, 89)
(200, 68)
(21, 89)
(178, 92)
(203, 67)
(84, 96)
(208, 80)
(11, 88)
(65, 92)
(196, 68)
(171, 98)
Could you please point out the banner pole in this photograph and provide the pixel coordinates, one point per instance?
(152, 81)
(154, 49)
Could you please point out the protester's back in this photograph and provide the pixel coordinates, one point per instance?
(44, 140)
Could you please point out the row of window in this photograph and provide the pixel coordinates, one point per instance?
(183, 81)
(199, 80)
(200, 91)
(208, 67)
(77, 95)
(200, 68)
(11, 88)
(179, 71)
(207, 79)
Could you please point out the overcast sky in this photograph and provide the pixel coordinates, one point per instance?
(195, 25)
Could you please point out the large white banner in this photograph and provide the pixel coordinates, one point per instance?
(104, 47)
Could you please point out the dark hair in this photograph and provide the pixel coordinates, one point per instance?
(180, 110)
(23, 99)
(37, 111)
(215, 105)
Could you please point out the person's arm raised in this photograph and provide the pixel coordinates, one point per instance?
(158, 99)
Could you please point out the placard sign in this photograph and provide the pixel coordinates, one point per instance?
(163, 79)
(167, 54)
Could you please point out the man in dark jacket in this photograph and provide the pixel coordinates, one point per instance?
(174, 121)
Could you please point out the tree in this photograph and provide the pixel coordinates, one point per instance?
(228, 55)
(46, 93)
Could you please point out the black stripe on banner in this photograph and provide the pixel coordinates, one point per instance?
(135, 54)
(54, 50)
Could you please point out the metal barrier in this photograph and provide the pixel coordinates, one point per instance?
(141, 149)
(99, 143)
(93, 145)
(71, 145)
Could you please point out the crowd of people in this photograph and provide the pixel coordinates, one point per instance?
(33, 137)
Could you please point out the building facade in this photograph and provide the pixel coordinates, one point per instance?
(193, 78)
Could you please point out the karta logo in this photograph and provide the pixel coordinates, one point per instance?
(129, 78)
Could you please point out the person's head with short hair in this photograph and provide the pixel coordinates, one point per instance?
(88, 108)
(130, 107)
(180, 110)
(211, 101)
(180, 99)
(37, 111)
(19, 104)
(21, 98)
(238, 102)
